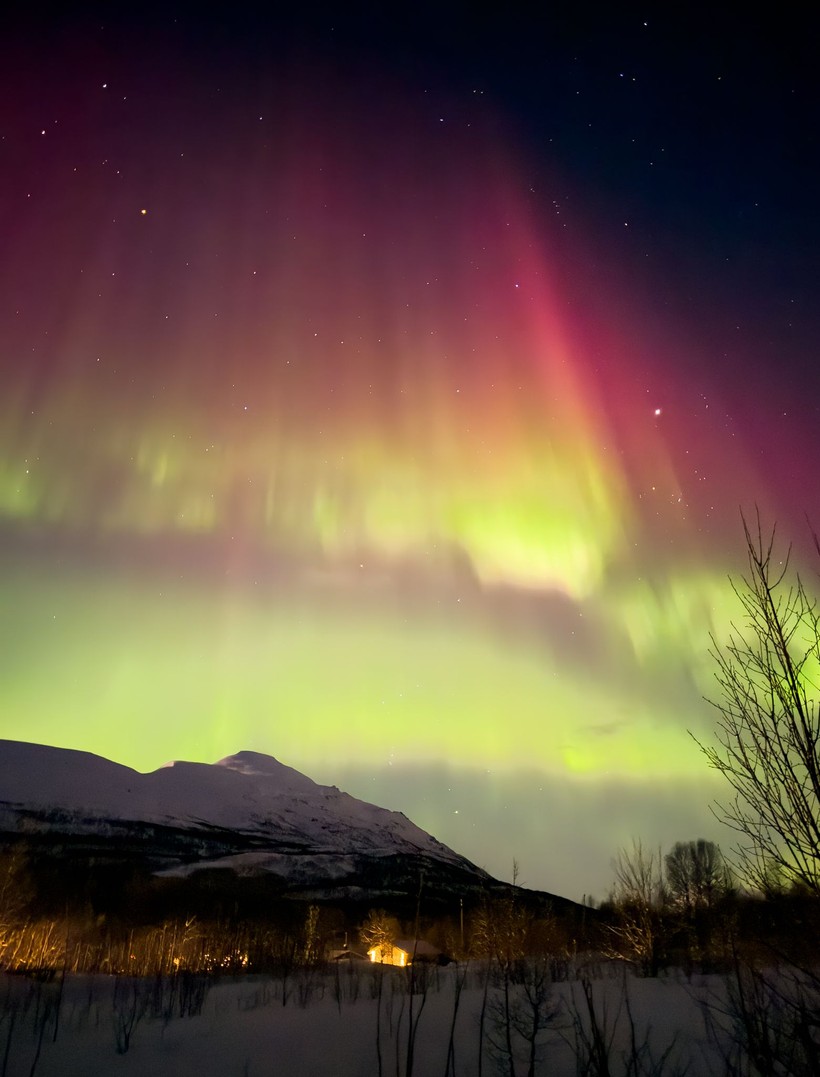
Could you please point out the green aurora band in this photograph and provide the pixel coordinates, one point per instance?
(345, 464)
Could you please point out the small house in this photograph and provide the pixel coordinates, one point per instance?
(403, 952)
(348, 955)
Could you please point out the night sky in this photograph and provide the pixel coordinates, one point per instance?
(382, 392)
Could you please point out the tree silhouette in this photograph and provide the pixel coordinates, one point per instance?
(378, 931)
(769, 722)
(696, 874)
(639, 895)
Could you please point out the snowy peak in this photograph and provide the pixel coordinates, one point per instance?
(257, 765)
(254, 763)
(247, 810)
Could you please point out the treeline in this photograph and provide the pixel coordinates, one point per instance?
(684, 909)
(681, 909)
(113, 918)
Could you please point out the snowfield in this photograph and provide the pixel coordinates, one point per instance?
(315, 1023)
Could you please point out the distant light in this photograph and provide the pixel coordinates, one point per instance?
(143, 211)
(658, 411)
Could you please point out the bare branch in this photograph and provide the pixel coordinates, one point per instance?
(768, 729)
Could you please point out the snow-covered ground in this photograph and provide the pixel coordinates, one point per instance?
(328, 1025)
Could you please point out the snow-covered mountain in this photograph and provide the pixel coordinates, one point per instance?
(248, 813)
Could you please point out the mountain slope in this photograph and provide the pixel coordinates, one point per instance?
(248, 813)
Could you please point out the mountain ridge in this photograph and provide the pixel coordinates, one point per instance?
(220, 837)
(248, 813)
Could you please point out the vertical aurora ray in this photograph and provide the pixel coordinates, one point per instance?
(337, 452)
(392, 387)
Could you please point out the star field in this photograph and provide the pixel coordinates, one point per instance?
(383, 395)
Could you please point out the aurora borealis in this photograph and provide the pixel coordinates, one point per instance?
(347, 416)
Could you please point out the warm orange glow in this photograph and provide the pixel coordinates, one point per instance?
(388, 955)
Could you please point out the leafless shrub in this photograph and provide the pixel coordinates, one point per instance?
(599, 1034)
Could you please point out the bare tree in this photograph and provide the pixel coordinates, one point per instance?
(696, 874)
(639, 895)
(500, 932)
(378, 931)
(768, 728)
(596, 1030)
(698, 881)
(766, 746)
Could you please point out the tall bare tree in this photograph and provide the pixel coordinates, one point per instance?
(639, 895)
(768, 729)
(696, 874)
(379, 931)
(766, 746)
